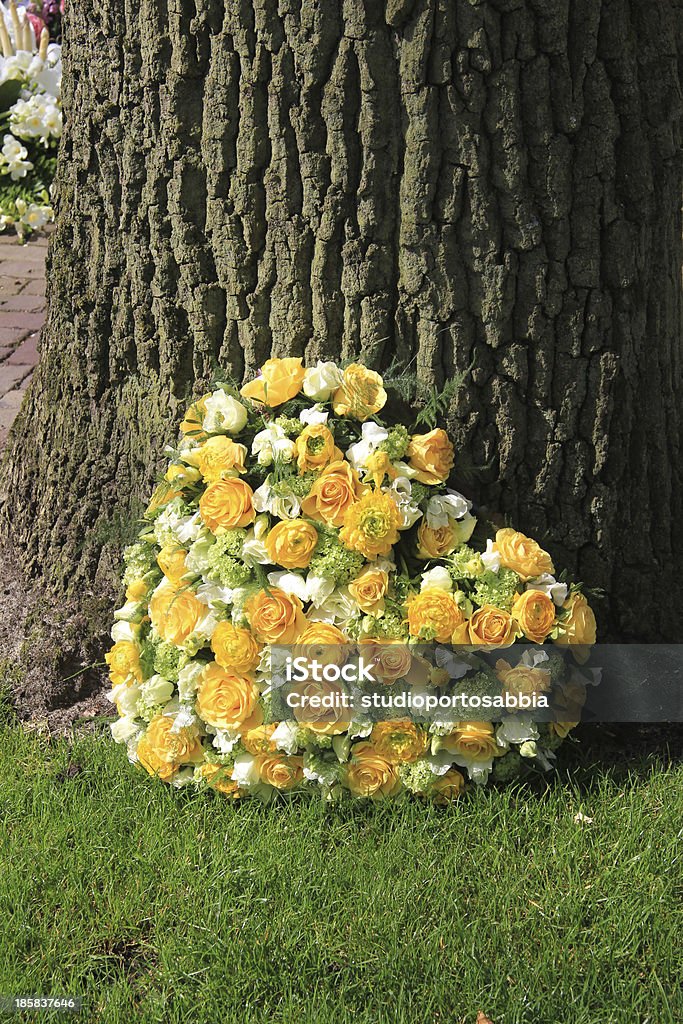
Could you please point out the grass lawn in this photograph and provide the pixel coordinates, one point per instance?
(156, 907)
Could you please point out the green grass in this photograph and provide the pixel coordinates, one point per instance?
(156, 907)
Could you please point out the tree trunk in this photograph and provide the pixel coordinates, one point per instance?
(450, 182)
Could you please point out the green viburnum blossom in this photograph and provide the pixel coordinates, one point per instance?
(396, 445)
(139, 559)
(465, 564)
(498, 588)
(417, 777)
(390, 626)
(507, 768)
(334, 561)
(224, 562)
(290, 424)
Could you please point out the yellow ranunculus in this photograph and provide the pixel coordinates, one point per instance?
(447, 788)
(369, 774)
(492, 627)
(521, 679)
(137, 590)
(234, 648)
(433, 614)
(368, 590)
(171, 561)
(315, 448)
(291, 543)
(436, 542)
(371, 525)
(227, 503)
(228, 701)
(361, 393)
(219, 456)
(279, 771)
(534, 612)
(333, 493)
(578, 627)
(194, 417)
(522, 554)
(388, 660)
(399, 741)
(278, 381)
(218, 778)
(161, 751)
(259, 739)
(431, 456)
(124, 663)
(475, 741)
(175, 614)
(275, 617)
(316, 636)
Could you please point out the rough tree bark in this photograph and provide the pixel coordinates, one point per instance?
(452, 182)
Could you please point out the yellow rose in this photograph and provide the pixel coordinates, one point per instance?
(316, 637)
(181, 476)
(433, 614)
(522, 554)
(322, 720)
(228, 701)
(280, 771)
(492, 627)
(335, 490)
(369, 774)
(218, 778)
(291, 543)
(315, 448)
(194, 417)
(235, 648)
(436, 542)
(447, 788)
(175, 614)
(521, 679)
(161, 752)
(534, 612)
(278, 381)
(388, 660)
(171, 561)
(475, 741)
(431, 456)
(368, 590)
(371, 525)
(227, 503)
(218, 457)
(124, 663)
(578, 626)
(399, 741)
(259, 739)
(361, 393)
(137, 590)
(275, 617)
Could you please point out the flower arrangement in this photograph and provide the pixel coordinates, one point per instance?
(30, 105)
(291, 512)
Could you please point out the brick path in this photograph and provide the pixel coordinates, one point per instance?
(22, 311)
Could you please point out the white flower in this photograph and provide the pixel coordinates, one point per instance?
(197, 558)
(548, 585)
(319, 589)
(285, 737)
(215, 597)
(225, 739)
(123, 630)
(401, 491)
(339, 608)
(290, 582)
(254, 550)
(188, 680)
(131, 611)
(491, 558)
(188, 528)
(455, 666)
(443, 507)
(36, 216)
(125, 729)
(14, 160)
(126, 699)
(517, 729)
(156, 690)
(312, 416)
(38, 117)
(321, 380)
(224, 414)
(245, 773)
(438, 577)
(372, 436)
(182, 778)
(280, 503)
(272, 443)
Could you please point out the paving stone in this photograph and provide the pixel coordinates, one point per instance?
(22, 303)
(11, 336)
(22, 269)
(20, 320)
(26, 354)
(10, 376)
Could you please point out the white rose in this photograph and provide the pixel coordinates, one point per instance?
(126, 699)
(290, 582)
(156, 690)
(285, 737)
(245, 772)
(125, 729)
(188, 680)
(321, 381)
(124, 631)
(372, 436)
(438, 577)
(224, 414)
(314, 415)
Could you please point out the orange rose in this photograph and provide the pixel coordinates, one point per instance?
(329, 719)
(361, 393)
(522, 554)
(534, 612)
(475, 741)
(259, 739)
(433, 614)
(522, 680)
(436, 542)
(369, 774)
(279, 380)
(228, 701)
(431, 456)
(275, 617)
(279, 771)
(447, 788)
(161, 751)
(175, 614)
(578, 626)
(234, 648)
(217, 457)
(315, 448)
(335, 490)
(368, 590)
(388, 660)
(492, 627)
(227, 503)
(291, 543)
